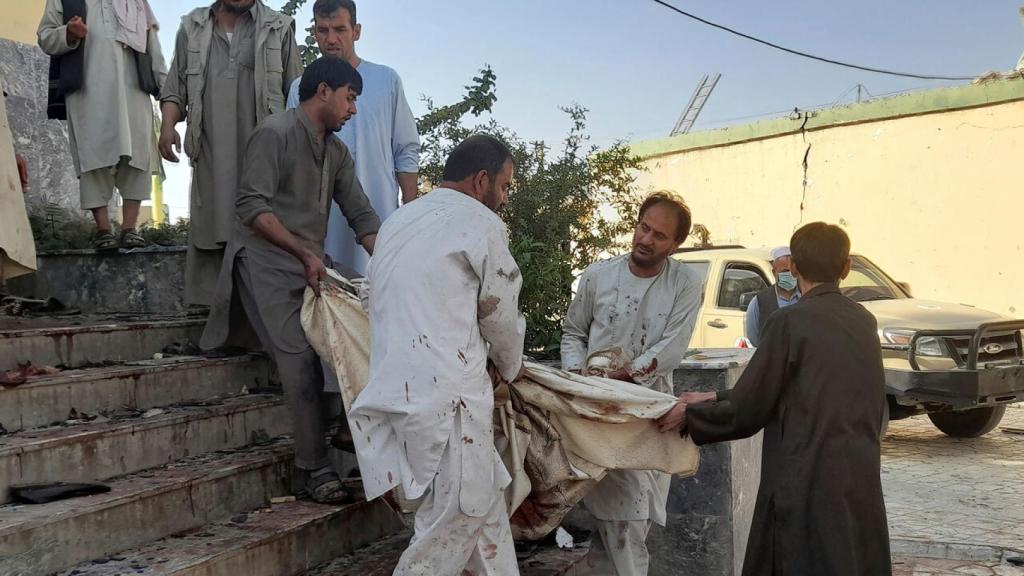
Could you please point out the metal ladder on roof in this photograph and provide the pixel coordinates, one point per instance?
(697, 101)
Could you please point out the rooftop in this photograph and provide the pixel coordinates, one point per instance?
(908, 104)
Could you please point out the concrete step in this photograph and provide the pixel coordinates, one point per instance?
(381, 557)
(43, 539)
(45, 400)
(78, 341)
(102, 450)
(283, 540)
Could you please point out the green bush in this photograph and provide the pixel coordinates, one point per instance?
(57, 228)
(557, 204)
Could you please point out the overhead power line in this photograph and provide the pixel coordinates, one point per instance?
(805, 54)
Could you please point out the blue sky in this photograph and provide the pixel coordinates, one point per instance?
(635, 64)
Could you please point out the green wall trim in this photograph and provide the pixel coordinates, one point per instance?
(909, 104)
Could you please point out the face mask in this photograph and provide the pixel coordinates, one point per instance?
(786, 281)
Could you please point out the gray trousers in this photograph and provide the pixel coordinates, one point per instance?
(301, 377)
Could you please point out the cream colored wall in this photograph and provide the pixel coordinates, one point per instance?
(936, 200)
(20, 19)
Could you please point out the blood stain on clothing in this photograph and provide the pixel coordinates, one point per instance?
(487, 306)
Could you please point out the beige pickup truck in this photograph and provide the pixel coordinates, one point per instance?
(959, 364)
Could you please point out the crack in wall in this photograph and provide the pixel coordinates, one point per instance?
(806, 164)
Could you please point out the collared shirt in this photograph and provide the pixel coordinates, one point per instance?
(293, 173)
(229, 118)
(651, 320)
(444, 293)
(383, 140)
(751, 321)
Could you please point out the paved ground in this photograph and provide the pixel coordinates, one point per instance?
(929, 567)
(955, 490)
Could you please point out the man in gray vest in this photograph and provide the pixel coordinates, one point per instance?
(779, 295)
(233, 63)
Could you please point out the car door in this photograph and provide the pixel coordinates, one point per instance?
(701, 269)
(722, 321)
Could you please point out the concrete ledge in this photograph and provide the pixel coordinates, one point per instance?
(45, 400)
(43, 539)
(951, 550)
(284, 539)
(94, 341)
(91, 452)
(146, 280)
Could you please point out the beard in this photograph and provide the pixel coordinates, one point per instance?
(235, 8)
(646, 259)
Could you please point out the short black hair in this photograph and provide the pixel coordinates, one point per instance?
(672, 200)
(476, 153)
(324, 8)
(332, 71)
(820, 252)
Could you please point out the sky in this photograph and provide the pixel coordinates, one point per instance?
(634, 64)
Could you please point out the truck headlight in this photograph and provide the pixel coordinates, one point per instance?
(926, 346)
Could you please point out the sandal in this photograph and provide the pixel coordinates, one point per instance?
(104, 241)
(325, 487)
(131, 239)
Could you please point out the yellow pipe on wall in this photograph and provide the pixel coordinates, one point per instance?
(159, 218)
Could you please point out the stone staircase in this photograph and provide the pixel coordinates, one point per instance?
(193, 449)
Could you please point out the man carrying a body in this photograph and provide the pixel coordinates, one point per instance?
(783, 293)
(382, 137)
(233, 64)
(816, 387)
(645, 303)
(444, 293)
(293, 168)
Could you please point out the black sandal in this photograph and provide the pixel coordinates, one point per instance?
(132, 239)
(325, 487)
(104, 241)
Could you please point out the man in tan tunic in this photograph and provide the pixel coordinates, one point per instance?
(17, 249)
(233, 64)
(293, 168)
(110, 118)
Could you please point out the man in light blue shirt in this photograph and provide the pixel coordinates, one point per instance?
(779, 295)
(381, 137)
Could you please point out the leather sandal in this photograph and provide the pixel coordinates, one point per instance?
(104, 241)
(325, 487)
(130, 238)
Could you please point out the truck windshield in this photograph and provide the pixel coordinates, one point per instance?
(867, 282)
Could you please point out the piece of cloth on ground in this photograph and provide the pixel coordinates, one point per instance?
(568, 429)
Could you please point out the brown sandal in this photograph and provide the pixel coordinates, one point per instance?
(132, 239)
(104, 241)
(325, 487)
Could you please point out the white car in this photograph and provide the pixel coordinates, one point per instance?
(959, 364)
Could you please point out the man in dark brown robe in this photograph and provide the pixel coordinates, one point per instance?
(816, 388)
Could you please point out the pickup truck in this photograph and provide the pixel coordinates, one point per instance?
(958, 364)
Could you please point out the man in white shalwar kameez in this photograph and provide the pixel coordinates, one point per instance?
(110, 118)
(645, 303)
(444, 294)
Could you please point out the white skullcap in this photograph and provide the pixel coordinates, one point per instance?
(780, 252)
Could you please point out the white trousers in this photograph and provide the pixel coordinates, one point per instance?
(618, 548)
(448, 542)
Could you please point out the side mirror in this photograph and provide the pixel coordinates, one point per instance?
(746, 299)
(906, 287)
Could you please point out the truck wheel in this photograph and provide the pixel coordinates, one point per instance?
(969, 423)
